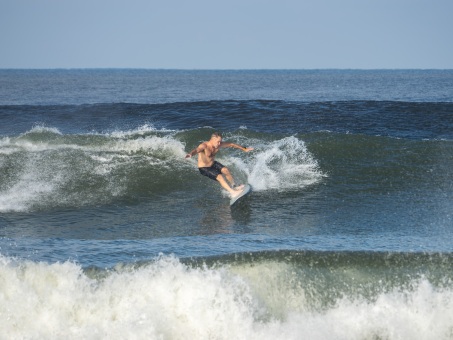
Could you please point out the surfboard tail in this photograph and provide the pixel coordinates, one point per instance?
(244, 192)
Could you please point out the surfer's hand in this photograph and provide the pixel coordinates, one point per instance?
(248, 149)
(188, 155)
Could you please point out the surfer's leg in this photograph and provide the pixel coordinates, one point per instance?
(230, 179)
(225, 185)
(228, 176)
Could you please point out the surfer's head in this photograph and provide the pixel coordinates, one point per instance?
(216, 135)
(216, 139)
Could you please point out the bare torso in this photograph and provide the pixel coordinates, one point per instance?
(207, 156)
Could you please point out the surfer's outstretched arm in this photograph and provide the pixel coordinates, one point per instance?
(236, 146)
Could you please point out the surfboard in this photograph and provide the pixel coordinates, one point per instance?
(244, 192)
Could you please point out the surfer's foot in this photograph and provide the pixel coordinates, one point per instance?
(238, 187)
(235, 193)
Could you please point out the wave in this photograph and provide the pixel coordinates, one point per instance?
(46, 169)
(267, 296)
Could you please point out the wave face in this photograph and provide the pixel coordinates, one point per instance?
(98, 154)
(273, 295)
(45, 169)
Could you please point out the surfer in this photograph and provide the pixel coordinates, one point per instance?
(208, 166)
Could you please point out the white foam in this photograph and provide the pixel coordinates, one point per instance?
(165, 145)
(46, 169)
(422, 314)
(138, 139)
(44, 129)
(168, 300)
(141, 130)
(29, 188)
(284, 164)
(164, 300)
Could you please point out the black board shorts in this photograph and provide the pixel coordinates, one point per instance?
(212, 171)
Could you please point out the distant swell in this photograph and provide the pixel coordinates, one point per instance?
(411, 120)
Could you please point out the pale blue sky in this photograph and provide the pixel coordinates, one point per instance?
(228, 34)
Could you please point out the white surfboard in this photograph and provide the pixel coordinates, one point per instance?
(244, 192)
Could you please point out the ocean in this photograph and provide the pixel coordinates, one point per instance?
(107, 231)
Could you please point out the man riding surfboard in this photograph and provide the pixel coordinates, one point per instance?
(208, 166)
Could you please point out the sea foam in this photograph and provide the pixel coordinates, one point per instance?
(166, 299)
(283, 164)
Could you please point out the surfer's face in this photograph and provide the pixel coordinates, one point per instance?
(216, 142)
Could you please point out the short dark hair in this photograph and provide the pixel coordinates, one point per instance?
(216, 135)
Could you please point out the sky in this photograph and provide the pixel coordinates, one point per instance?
(227, 34)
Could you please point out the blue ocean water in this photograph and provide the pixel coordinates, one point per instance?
(106, 230)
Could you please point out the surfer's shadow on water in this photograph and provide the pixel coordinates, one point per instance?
(218, 217)
(241, 212)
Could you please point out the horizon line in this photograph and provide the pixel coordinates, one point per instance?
(223, 69)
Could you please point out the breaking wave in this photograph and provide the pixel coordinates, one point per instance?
(45, 169)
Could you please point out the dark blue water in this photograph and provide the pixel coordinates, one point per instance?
(351, 209)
